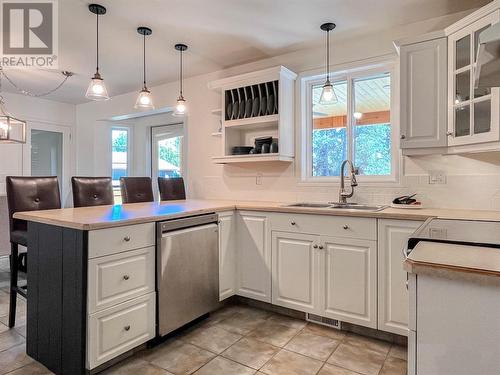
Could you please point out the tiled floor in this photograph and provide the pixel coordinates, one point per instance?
(236, 340)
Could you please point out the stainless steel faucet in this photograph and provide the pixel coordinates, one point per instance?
(343, 195)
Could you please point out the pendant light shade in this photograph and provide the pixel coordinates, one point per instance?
(181, 107)
(145, 99)
(328, 95)
(97, 89)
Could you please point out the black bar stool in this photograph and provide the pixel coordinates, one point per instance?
(25, 194)
(92, 191)
(136, 189)
(171, 189)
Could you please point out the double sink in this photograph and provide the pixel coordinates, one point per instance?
(338, 206)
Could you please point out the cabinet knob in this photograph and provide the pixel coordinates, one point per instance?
(449, 134)
(126, 328)
(126, 239)
(126, 277)
(315, 246)
(345, 226)
(320, 247)
(293, 223)
(403, 136)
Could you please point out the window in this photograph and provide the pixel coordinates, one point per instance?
(357, 127)
(119, 159)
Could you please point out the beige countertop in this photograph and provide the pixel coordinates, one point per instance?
(434, 257)
(99, 217)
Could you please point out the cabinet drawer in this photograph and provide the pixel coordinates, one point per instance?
(120, 277)
(115, 240)
(118, 329)
(337, 226)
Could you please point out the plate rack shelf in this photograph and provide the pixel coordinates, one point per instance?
(254, 105)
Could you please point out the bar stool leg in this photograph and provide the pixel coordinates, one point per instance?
(13, 283)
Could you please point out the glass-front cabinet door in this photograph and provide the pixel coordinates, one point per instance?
(473, 113)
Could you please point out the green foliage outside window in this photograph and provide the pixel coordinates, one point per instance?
(372, 150)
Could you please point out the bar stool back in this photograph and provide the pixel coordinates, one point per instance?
(136, 189)
(171, 188)
(92, 191)
(25, 194)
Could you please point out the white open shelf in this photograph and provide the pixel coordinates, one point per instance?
(242, 132)
(252, 158)
(253, 122)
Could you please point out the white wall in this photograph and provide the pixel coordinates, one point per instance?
(34, 111)
(471, 181)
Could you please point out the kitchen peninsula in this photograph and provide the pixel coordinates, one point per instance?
(92, 270)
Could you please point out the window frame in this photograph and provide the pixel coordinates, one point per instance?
(129, 151)
(348, 73)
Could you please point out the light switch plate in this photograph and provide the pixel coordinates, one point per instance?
(437, 177)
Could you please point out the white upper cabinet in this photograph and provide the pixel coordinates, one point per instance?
(423, 94)
(473, 114)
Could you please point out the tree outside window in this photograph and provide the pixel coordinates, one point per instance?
(357, 127)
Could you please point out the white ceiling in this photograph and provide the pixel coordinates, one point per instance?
(220, 34)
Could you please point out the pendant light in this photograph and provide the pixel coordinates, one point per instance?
(180, 108)
(12, 130)
(328, 94)
(145, 99)
(97, 90)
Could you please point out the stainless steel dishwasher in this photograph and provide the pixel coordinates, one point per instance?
(187, 270)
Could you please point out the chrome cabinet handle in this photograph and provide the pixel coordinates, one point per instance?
(126, 328)
(126, 239)
(126, 277)
(293, 223)
(345, 226)
(315, 246)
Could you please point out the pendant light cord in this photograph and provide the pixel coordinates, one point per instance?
(97, 42)
(328, 55)
(180, 78)
(144, 55)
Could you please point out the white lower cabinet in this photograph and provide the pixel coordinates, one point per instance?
(295, 261)
(349, 286)
(227, 255)
(254, 256)
(333, 277)
(392, 293)
(120, 328)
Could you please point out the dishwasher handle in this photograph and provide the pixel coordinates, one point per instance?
(187, 222)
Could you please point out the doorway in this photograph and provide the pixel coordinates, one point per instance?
(48, 154)
(167, 152)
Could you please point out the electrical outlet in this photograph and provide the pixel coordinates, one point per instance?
(437, 177)
(258, 179)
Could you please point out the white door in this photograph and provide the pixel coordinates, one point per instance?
(295, 266)
(350, 280)
(392, 293)
(48, 154)
(254, 256)
(167, 152)
(227, 255)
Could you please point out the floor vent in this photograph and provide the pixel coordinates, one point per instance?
(333, 323)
